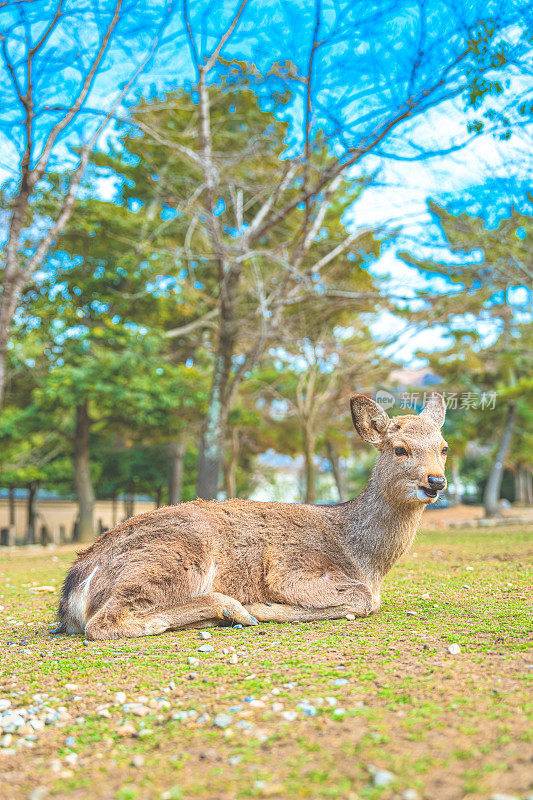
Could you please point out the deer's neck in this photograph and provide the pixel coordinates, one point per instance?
(378, 530)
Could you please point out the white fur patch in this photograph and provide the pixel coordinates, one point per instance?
(77, 602)
(206, 581)
(422, 496)
(155, 626)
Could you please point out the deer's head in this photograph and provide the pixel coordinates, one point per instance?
(412, 452)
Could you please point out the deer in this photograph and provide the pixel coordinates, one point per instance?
(204, 563)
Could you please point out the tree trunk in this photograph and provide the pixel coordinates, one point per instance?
(158, 496)
(32, 512)
(519, 486)
(12, 282)
(529, 487)
(82, 473)
(230, 465)
(523, 487)
(334, 460)
(114, 511)
(176, 451)
(129, 503)
(456, 498)
(211, 454)
(492, 489)
(12, 506)
(309, 460)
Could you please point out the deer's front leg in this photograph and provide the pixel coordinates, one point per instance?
(279, 612)
(302, 596)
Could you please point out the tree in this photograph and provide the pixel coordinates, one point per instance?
(48, 75)
(490, 266)
(283, 218)
(98, 364)
(311, 380)
(32, 454)
(278, 222)
(486, 408)
(245, 300)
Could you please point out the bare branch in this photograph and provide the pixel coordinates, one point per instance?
(337, 251)
(68, 205)
(71, 113)
(186, 151)
(269, 203)
(312, 233)
(211, 61)
(55, 19)
(190, 37)
(202, 322)
(308, 112)
(355, 154)
(11, 69)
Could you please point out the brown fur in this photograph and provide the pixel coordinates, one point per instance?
(207, 562)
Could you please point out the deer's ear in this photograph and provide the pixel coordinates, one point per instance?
(370, 421)
(435, 409)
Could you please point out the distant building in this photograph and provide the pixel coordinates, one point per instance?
(413, 378)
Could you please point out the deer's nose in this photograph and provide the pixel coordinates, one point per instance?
(436, 481)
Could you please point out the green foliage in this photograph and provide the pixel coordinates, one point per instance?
(489, 266)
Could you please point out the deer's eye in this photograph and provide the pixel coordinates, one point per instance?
(400, 451)
(444, 451)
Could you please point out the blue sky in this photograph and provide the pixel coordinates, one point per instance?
(371, 57)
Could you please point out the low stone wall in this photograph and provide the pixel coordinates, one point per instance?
(58, 518)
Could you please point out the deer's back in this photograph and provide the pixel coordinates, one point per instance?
(236, 541)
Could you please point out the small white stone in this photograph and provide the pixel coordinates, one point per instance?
(140, 710)
(71, 687)
(290, 716)
(206, 648)
(454, 649)
(71, 759)
(499, 796)
(410, 794)
(222, 720)
(25, 729)
(233, 659)
(350, 616)
(120, 698)
(382, 777)
(204, 635)
(193, 660)
(39, 793)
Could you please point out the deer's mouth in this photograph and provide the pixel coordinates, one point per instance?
(428, 492)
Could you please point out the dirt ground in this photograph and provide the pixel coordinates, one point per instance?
(461, 514)
(373, 708)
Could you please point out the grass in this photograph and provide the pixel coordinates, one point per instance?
(447, 726)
